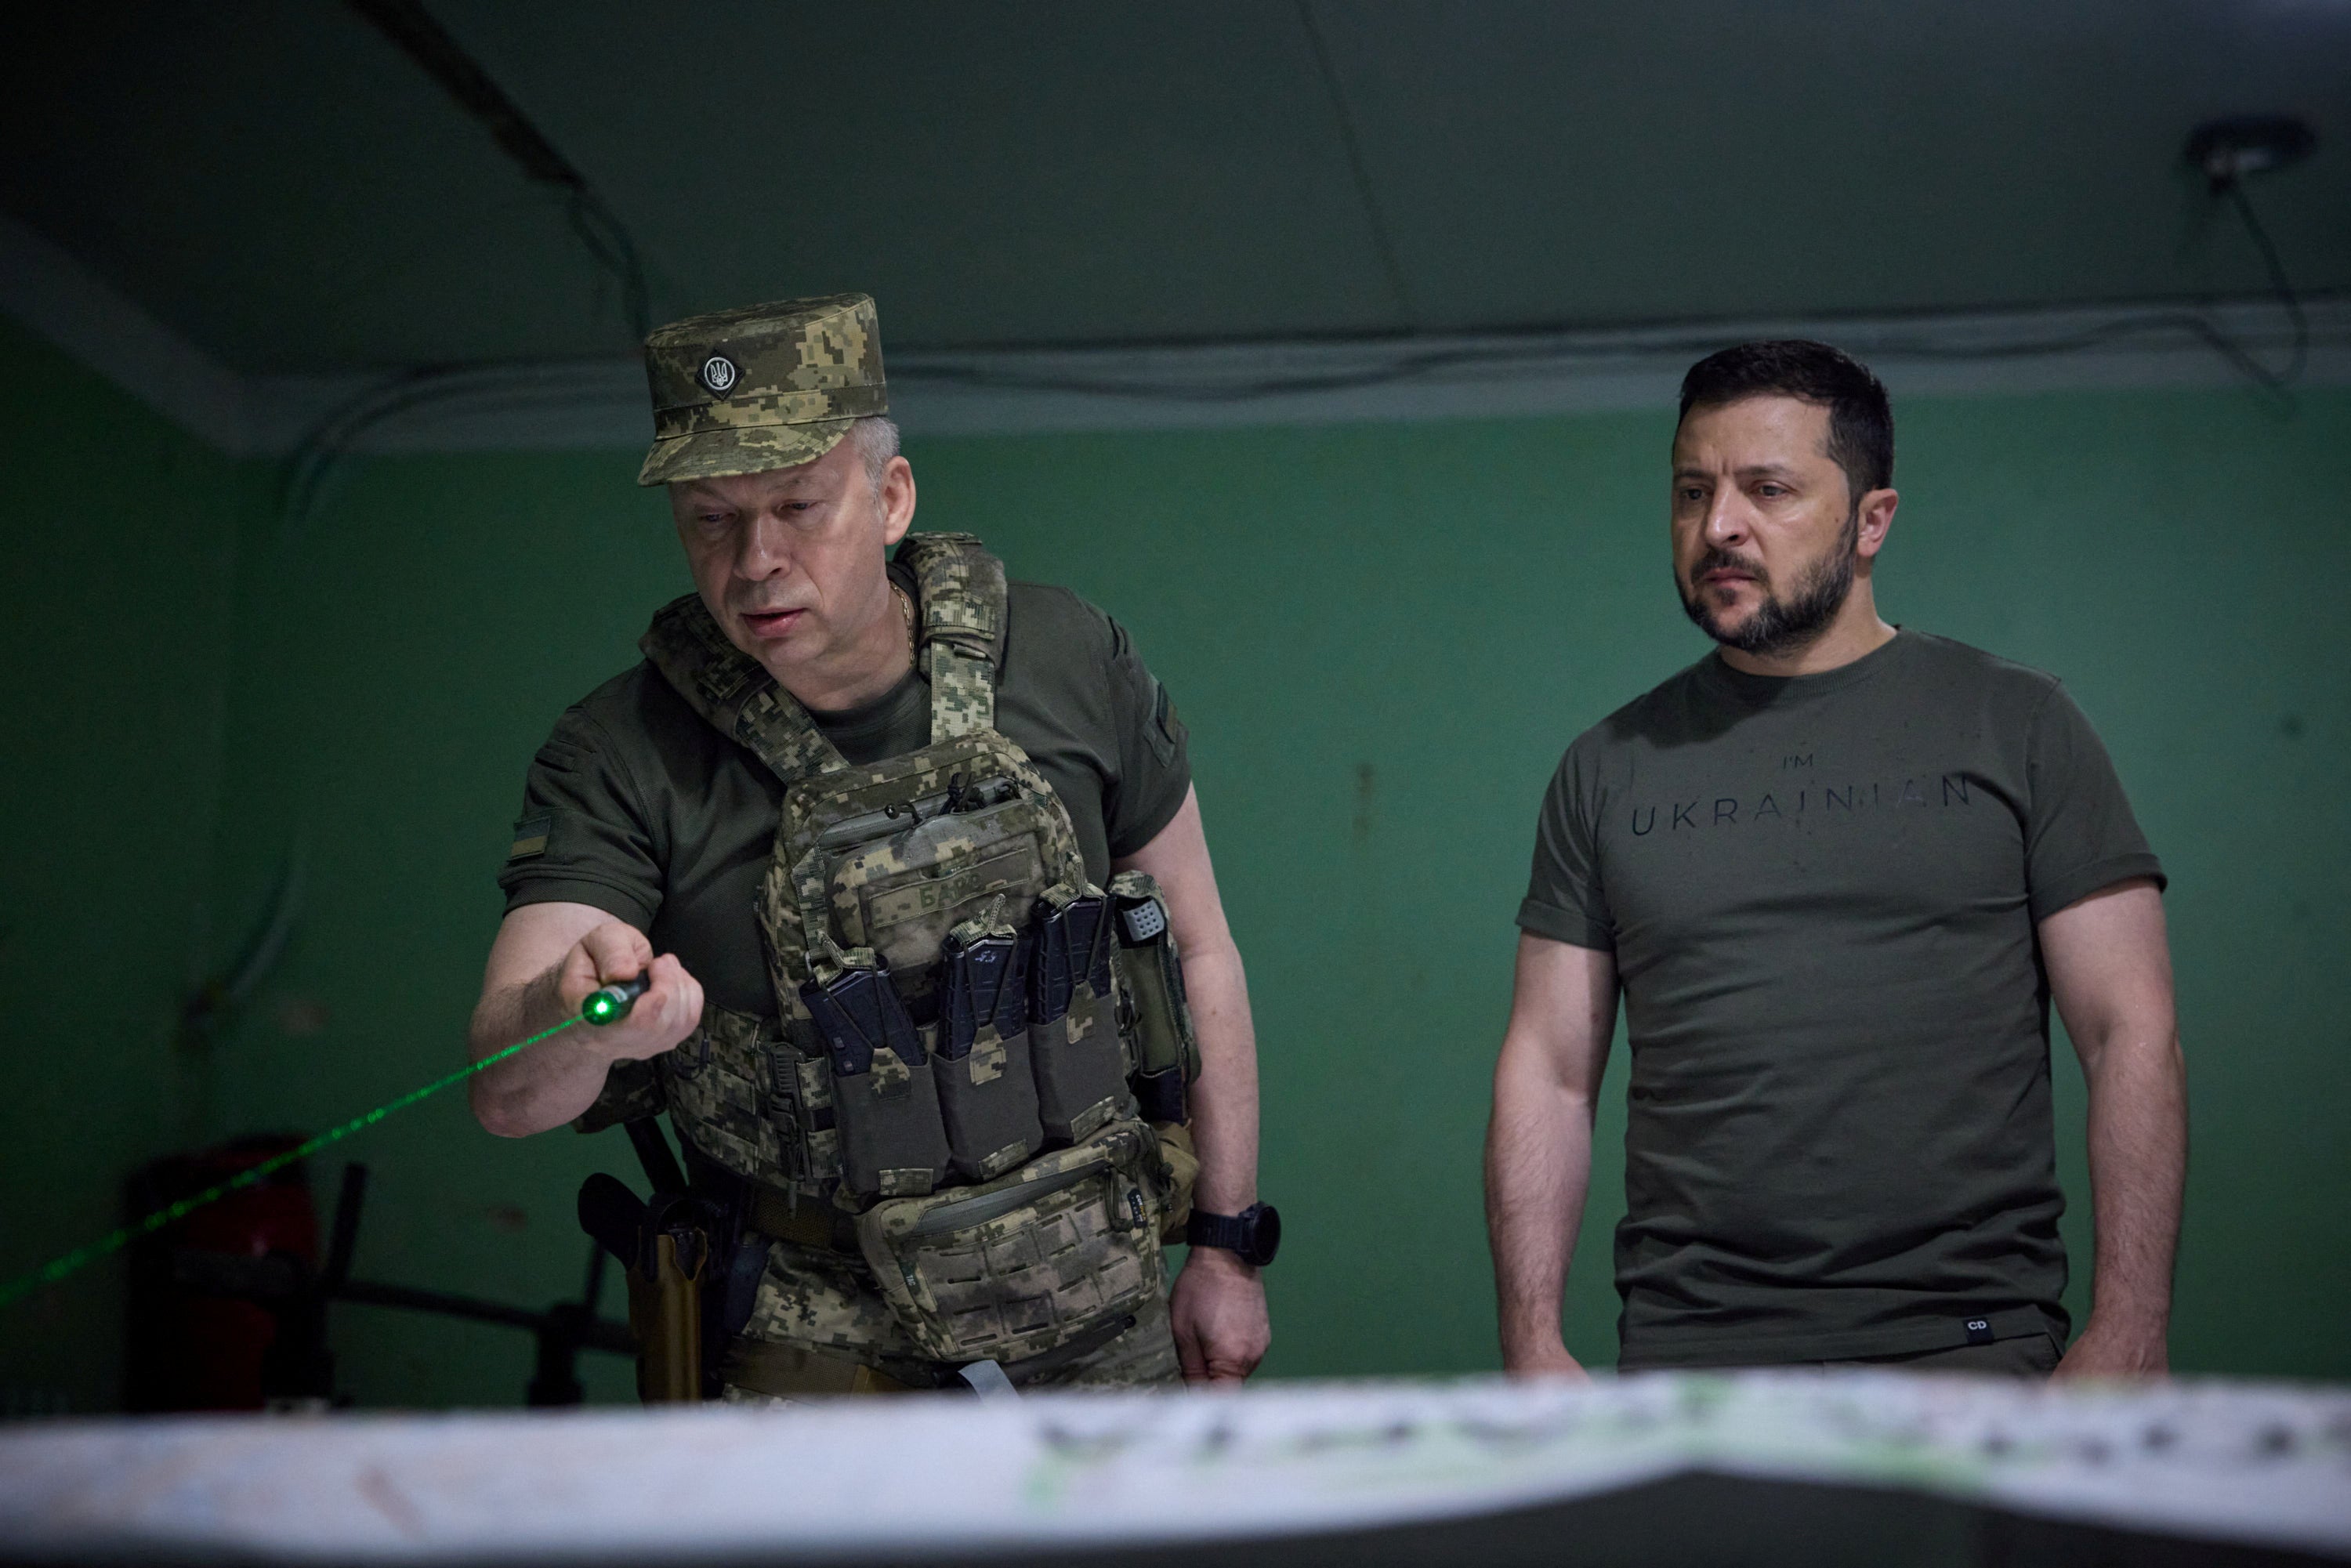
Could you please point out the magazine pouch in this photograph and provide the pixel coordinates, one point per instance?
(885, 1106)
(1074, 1036)
(988, 1094)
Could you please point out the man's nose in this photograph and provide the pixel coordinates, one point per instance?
(763, 550)
(1726, 518)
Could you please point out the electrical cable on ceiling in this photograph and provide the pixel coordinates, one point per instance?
(592, 220)
(2226, 151)
(1540, 350)
(1374, 218)
(2276, 381)
(304, 474)
(607, 240)
(2230, 150)
(545, 387)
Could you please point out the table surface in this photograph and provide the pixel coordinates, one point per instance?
(2258, 1465)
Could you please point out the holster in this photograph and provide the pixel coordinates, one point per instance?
(666, 1247)
(665, 1314)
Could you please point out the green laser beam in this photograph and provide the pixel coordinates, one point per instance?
(80, 1258)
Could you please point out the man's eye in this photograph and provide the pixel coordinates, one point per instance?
(1771, 489)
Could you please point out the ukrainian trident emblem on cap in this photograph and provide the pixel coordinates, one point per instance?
(767, 386)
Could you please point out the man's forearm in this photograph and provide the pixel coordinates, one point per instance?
(544, 1087)
(1217, 1309)
(1224, 1099)
(2139, 1166)
(1538, 1167)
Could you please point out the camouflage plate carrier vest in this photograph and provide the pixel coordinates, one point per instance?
(955, 1026)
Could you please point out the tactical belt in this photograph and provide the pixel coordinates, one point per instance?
(791, 1370)
(787, 1371)
(1078, 1349)
(811, 1222)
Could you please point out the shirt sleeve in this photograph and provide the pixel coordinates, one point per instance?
(584, 836)
(2080, 835)
(1155, 763)
(1565, 900)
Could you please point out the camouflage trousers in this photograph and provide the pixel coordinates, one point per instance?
(818, 1313)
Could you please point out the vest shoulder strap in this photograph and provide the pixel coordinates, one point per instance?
(729, 689)
(961, 640)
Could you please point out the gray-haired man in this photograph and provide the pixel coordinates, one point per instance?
(841, 792)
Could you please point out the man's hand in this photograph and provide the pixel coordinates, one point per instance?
(2108, 1349)
(547, 958)
(670, 1009)
(1218, 1314)
(1549, 1360)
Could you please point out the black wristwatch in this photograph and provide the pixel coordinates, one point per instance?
(1255, 1233)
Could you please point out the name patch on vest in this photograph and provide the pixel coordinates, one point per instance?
(999, 873)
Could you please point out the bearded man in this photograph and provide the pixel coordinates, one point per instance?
(1839, 869)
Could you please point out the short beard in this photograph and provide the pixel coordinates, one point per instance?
(1781, 625)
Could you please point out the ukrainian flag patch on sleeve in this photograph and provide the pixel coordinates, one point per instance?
(530, 836)
(1167, 733)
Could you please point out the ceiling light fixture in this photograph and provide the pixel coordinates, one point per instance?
(2226, 151)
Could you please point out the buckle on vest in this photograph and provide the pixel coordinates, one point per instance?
(969, 641)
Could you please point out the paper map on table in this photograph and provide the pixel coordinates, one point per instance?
(2256, 1464)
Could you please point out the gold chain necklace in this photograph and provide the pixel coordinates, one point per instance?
(906, 612)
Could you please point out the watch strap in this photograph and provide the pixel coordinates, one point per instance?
(1229, 1231)
(1253, 1235)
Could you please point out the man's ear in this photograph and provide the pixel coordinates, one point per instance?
(897, 500)
(1876, 510)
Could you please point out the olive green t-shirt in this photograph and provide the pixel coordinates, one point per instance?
(1822, 895)
(636, 806)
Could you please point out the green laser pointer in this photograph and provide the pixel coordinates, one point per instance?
(80, 1258)
(611, 1004)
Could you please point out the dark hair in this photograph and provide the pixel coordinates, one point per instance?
(1861, 420)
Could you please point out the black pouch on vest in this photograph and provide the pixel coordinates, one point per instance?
(885, 1108)
(987, 1091)
(1167, 1055)
(1073, 1018)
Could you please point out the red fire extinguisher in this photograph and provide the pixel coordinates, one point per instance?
(210, 1292)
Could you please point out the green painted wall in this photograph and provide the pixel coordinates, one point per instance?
(400, 655)
(114, 657)
(1382, 636)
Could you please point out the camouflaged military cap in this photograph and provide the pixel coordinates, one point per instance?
(767, 386)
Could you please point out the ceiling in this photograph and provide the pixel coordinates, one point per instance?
(283, 186)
